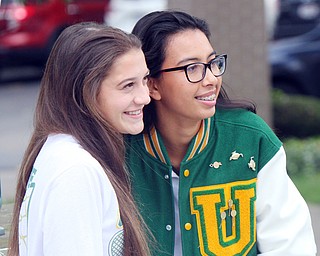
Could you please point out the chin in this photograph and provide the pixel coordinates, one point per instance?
(134, 133)
(209, 113)
(134, 130)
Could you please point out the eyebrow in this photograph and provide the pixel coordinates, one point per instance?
(195, 59)
(130, 79)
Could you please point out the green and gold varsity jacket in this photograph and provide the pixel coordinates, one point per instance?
(217, 185)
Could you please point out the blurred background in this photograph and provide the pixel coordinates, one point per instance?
(273, 49)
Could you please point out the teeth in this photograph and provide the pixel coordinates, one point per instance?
(137, 112)
(211, 97)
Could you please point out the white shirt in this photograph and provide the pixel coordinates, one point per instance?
(70, 207)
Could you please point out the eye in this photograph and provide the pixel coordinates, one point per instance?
(217, 62)
(145, 80)
(128, 85)
(193, 68)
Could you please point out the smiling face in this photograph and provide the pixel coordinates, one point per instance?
(124, 93)
(175, 97)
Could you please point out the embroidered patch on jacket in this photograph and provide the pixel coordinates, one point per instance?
(235, 155)
(252, 164)
(215, 164)
(225, 217)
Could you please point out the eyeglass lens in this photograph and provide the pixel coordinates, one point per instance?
(196, 72)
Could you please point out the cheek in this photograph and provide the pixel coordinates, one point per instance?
(107, 105)
(105, 112)
(219, 85)
(102, 105)
(176, 83)
(171, 92)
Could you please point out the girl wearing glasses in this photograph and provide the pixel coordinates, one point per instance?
(208, 173)
(73, 194)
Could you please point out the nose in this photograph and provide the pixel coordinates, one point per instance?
(210, 78)
(142, 95)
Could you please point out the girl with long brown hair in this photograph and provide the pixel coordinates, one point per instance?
(73, 195)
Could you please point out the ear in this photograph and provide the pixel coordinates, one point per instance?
(153, 89)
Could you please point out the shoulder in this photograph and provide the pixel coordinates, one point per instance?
(240, 117)
(245, 121)
(247, 131)
(61, 154)
(64, 148)
(67, 171)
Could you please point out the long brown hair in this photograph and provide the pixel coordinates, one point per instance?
(79, 61)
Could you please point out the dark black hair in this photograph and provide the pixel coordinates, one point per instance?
(154, 30)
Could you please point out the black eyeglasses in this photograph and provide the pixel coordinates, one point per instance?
(195, 72)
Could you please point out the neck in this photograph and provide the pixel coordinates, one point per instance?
(176, 137)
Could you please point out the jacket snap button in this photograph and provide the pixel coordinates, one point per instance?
(186, 173)
(168, 227)
(188, 226)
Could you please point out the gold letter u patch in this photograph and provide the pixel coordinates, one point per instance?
(225, 216)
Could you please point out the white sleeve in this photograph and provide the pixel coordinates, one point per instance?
(283, 218)
(73, 213)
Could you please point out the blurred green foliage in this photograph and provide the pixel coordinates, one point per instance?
(308, 185)
(295, 115)
(303, 155)
(297, 123)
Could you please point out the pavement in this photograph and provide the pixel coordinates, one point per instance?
(5, 220)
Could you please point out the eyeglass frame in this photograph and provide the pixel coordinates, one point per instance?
(206, 65)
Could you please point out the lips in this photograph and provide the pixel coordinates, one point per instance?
(134, 113)
(207, 97)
